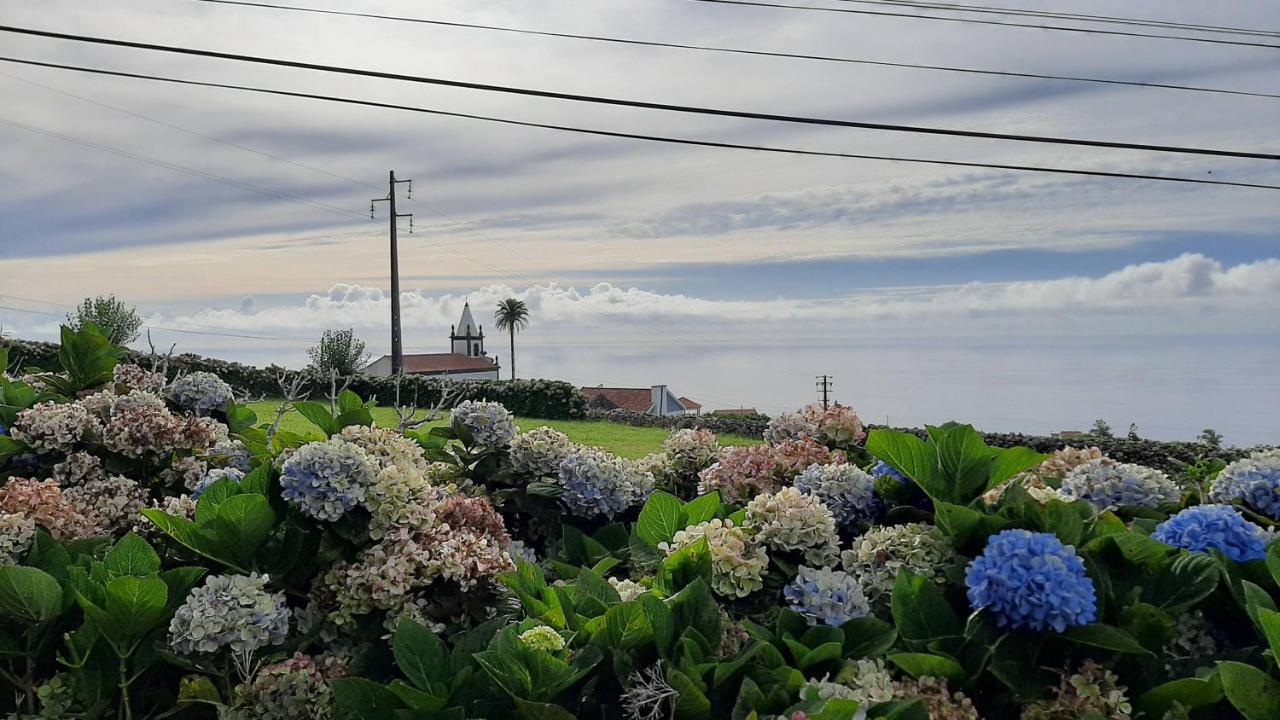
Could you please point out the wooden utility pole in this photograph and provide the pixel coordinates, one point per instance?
(824, 385)
(397, 346)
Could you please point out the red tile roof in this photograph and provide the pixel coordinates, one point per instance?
(690, 404)
(431, 363)
(736, 411)
(633, 399)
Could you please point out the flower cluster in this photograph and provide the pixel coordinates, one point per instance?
(295, 689)
(231, 454)
(16, 533)
(539, 452)
(738, 564)
(823, 595)
(236, 612)
(490, 424)
(386, 447)
(884, 469)
(1092, 692)
(326, 479)
(870, 680)
(838, 425)
(110, 504)
(1214, 527)
(1107, 485)
(877, 556)
(542, 639)
(200, 392)
(939, 702)
(596, 483)
(746, 471)
(1031, 581)
(845, 489)
(741, 473)
(141, 425)
(1192, 645)
(628, 590)
(690, 451)
(54, 427)
(77, 468)
(1063, 461)
(401, 499)
(1254, 481)
(790, 520)
(44, 503)
(788, 426)
(136, 377)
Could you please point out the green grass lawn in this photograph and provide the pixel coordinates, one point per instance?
(624, 440)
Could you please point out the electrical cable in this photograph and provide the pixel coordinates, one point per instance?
(620, 102)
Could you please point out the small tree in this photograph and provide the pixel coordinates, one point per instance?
(1101, 429)
(1133, 431)
(118, 321)
(513, 316)
(1210, 437)
(339, 351)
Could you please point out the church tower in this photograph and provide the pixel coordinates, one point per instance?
(467, 337)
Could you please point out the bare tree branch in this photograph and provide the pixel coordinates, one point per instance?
(450, 392)
(293, 391)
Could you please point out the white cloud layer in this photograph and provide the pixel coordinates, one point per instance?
(1192, 292)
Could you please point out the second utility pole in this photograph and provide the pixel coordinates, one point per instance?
(397, 349)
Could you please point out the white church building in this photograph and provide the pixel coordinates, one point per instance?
(467, 359)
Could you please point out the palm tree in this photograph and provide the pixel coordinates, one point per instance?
(513, 316)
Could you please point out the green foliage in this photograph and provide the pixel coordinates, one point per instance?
(953, 465)
(233, 522)
(338, 352)
(118, 322)
(87, 357)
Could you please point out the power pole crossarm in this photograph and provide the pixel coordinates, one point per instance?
(824, 386)
(397, 346)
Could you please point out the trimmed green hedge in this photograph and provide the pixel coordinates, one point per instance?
(745, 425)
(547, 399)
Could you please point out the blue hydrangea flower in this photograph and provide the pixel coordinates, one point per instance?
(326, 479)
(1255, 481)
(212, 477)
(1107, 485)
(597, 483)
(4, 429)
(884, 469)
(828, 596)
(845, 489)
(1217, 527)
(1031, 581)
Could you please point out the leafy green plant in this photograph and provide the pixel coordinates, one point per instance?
(87, 357)
(954, 465)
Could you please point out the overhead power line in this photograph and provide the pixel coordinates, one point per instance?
(621, 102)
(1104, 19)
(742, 51)
(197, 133)
(1001, 23)
(180, 168)
(650, 138)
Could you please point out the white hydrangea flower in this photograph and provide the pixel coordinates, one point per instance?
(200, 392)
(877, 556)
(229, 611)
(539, 452)
(491, 425)
(738, 563)
(790, 520)
(50, 427)
(628, 590)
(17, 531)
(870, 680)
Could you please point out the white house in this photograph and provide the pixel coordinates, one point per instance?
(655, 400)
(466, 361)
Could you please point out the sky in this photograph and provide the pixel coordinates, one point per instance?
(239, 224)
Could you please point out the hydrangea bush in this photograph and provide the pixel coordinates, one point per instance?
(164, 553)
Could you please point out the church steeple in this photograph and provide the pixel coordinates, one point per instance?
(467, 336)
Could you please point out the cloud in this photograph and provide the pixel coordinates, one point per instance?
(1189, 290)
